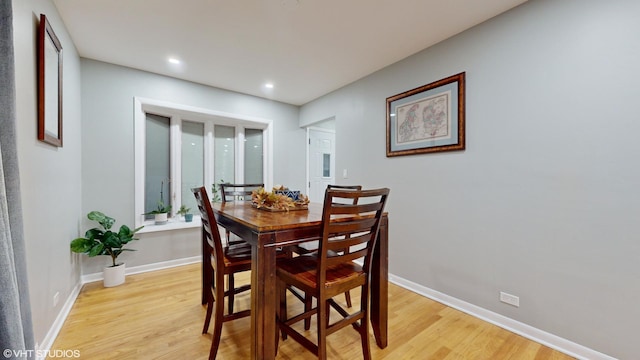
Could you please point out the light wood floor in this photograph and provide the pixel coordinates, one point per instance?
(157, 315)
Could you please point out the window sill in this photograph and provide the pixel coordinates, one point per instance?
(172, 224)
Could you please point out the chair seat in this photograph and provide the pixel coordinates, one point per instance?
(238, 251)
(301, 271)
(237, 257)
(306, 248)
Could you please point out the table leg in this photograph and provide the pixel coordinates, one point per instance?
(380, 285)
(263, 298)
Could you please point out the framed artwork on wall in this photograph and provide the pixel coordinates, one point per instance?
(427, 119)
(49, 85)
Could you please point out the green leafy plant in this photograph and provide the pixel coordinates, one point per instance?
(161, 208)
(215, 191)
(103, 241)
(183, 210)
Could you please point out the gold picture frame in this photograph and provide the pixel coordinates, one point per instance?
(427, 119)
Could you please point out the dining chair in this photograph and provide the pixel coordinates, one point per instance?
(346, 223)
(236, 192)
(219, 261)
(311, 247)
(230, 193)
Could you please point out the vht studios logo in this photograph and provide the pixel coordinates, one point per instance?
(11, 353)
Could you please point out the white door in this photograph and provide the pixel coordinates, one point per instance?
(322, 162)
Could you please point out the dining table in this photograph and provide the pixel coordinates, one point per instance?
(267, 231)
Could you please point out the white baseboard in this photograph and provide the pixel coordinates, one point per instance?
(53, 332)
(48, 340)
(145, 268)
(555, 342)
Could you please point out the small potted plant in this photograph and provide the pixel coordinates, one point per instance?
(103, 241)
(161, 212)
(185, 211)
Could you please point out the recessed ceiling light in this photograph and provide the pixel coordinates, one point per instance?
(174, 61)
(268, 85)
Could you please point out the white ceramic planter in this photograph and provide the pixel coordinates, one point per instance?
(113, 275)
(160, 219)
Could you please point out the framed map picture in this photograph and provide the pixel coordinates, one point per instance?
(427, 119)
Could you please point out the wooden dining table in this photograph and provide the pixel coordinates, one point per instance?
(268, 230)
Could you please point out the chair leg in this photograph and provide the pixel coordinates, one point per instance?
(322, 320)
(328, 315)
(204, 289)
(207, 319)
(281, 315)
(209, 299)
(347, 297)
(364, 326)
(207, 285)
(308, 303)
(231, 287)
(217, 321)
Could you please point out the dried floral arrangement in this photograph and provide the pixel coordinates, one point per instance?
(262, 198)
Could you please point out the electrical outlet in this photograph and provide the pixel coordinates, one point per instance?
(56, 298)
(344, 174)
(509, 299)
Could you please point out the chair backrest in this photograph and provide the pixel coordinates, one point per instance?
(346, 187)
(350, 219)
(211, 241)
(237, 192)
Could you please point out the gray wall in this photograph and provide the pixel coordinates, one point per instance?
(543, 203)
(50, 177)
(108, 146)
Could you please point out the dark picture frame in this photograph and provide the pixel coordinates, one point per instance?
(427, 119)
(49, 85)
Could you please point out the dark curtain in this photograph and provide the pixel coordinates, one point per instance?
(16, 330)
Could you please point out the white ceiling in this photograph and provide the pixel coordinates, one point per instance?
(306, 48)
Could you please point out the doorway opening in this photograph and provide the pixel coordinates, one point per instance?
(321, 159)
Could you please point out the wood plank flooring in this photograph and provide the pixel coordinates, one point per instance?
(157, 315)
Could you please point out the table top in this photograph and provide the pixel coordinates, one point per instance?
(264, 220)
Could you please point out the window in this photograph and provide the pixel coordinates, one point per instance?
(192, 160)
(326, 165)
(157, 161)
(253, 156)
(179, 148)
(224, 162)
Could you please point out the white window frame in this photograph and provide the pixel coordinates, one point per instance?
(177, 113)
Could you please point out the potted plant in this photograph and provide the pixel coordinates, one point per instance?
(160, 213)
(103, 241)
(185, 211)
